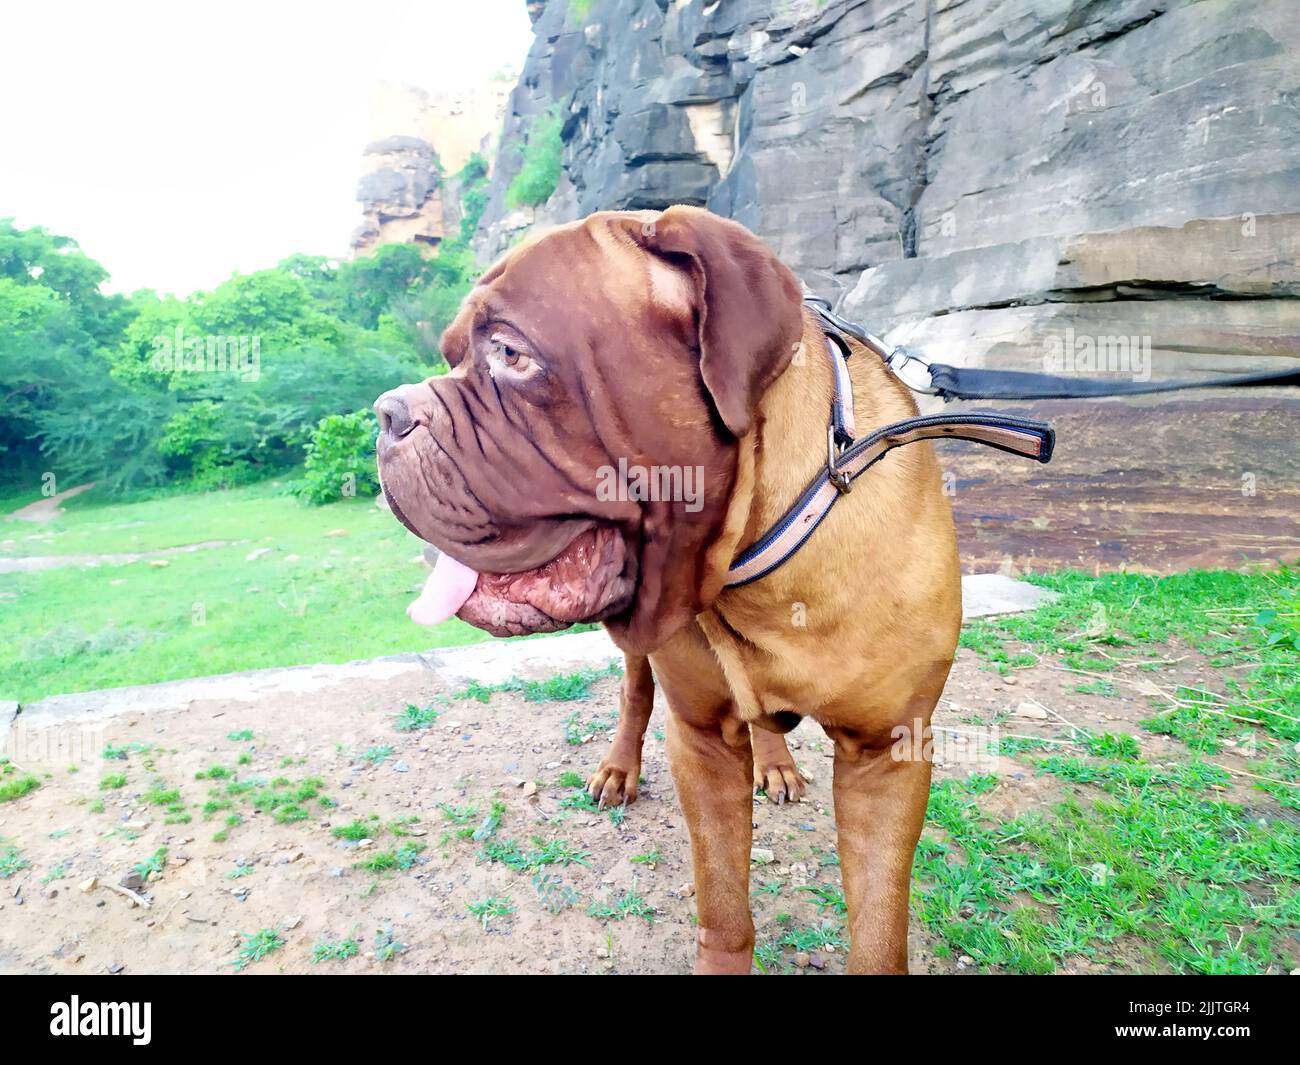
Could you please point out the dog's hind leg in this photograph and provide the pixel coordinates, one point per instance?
(615, 781)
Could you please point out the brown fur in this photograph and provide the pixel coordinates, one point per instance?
(857, 630)
(881, 588)
(880, 592)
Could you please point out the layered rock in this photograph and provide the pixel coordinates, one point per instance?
(405, 189)
(987, 180)
(924, 158)
(399, 197)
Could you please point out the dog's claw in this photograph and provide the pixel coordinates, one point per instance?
(780, 783)
(612, 784)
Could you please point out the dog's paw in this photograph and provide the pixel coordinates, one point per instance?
(779, 781)
(614, 784)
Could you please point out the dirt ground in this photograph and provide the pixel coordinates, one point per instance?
(302, 881)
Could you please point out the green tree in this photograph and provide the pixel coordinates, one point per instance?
(37, 257)
(371, 284)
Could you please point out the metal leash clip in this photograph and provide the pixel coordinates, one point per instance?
(834, 449)
(911, 369)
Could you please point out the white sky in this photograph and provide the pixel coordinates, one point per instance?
(180, 141)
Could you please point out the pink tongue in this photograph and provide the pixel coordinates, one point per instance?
(445, 592)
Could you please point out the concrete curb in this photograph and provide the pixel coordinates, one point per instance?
(985, 595)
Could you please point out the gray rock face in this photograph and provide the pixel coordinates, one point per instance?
(980, 175)
(399, 195)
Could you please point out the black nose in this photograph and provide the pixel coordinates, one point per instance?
(394, 417)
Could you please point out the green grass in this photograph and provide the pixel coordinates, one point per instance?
(814, 937)
(13, 784)
(342, 598)
(628, 904)
(459, 815)
(153, 865)
(377, 755)
(285, 800)
(492, 906)
(768, 955)
(257, 946)
(334, 950)
(578, 730)
(1139, 866)
(553, 893)
(579, 799)
(651, 857)
(160, 796)
(11, 861)
(214, 772)
(415, 717)
(1142, 853)
(403, 858)
(1237, 619)
(387, 945)
(356, 831)
(562, 687)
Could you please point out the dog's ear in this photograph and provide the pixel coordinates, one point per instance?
(747, 303)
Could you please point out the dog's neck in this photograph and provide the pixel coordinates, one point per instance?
(777, 459)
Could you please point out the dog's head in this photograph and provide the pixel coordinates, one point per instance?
(577, 461)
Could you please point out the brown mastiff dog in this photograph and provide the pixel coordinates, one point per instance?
(677, 341)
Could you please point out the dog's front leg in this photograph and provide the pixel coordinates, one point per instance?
(616, 779)
(711, 762)
(881, 790)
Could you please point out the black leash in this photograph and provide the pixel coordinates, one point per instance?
(848, 456)
(960, 382)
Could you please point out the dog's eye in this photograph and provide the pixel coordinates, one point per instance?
(511, 356)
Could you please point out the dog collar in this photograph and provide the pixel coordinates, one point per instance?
(847, 458)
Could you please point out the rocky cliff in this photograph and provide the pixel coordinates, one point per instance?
(420, 142)
(995, 182)
(976, 177)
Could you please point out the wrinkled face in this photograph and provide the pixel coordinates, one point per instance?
(577, 461)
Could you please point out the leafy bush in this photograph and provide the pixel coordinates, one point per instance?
(542, 164)
(473, 178)
(340, 459)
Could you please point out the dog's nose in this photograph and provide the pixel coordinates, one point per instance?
(393, 414)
